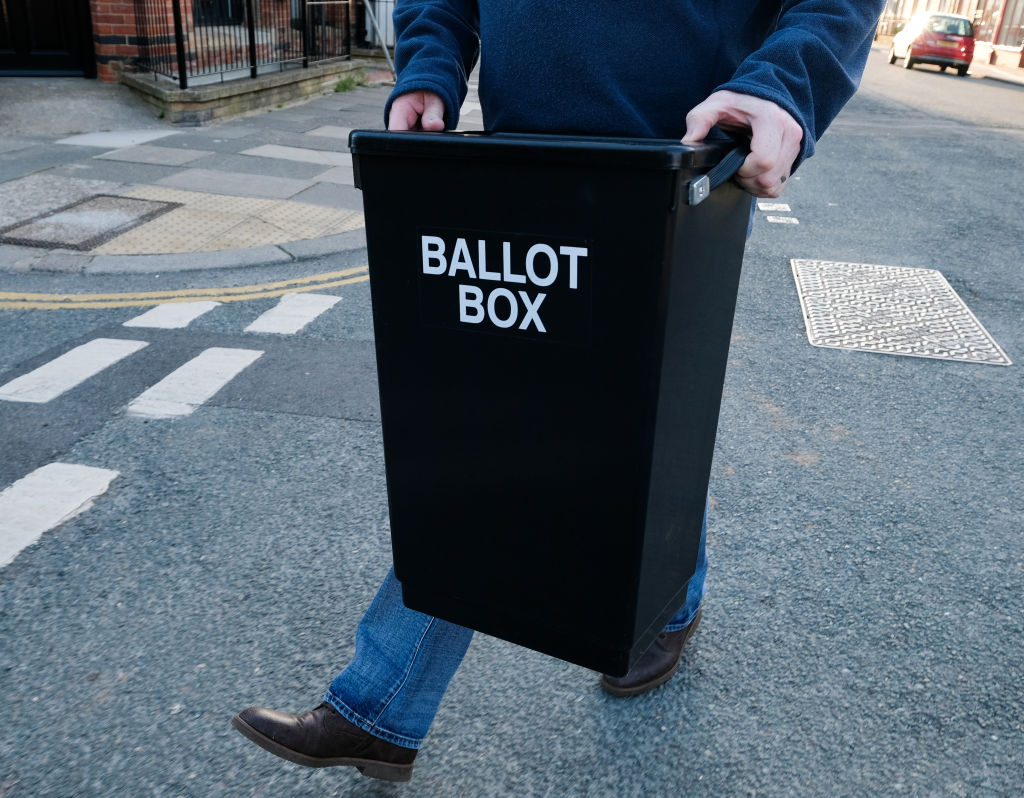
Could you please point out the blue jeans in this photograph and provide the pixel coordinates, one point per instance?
(405, 659)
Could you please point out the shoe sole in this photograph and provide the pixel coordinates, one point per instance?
(370, 768)
(626, 692)
(639, 689)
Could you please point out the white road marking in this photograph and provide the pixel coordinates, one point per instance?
(172, 315)
(292, 313)
(774, 207)
(187, 387)
(45, 498)
(782, 219)
(65, 372)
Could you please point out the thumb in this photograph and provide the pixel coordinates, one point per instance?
(433, 112)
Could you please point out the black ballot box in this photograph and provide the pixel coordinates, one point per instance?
(552, 319)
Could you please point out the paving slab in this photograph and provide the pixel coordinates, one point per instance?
(331, 131)
(344, 175)
(270, 167)
(36, 158)
(304, 141)
(225, 130)
(12, 144)
(332, 195)
(303, 154)
(228, 145)
(215, 181)
(118, 171)
(116, 138)
(281, 120)
(163, 156)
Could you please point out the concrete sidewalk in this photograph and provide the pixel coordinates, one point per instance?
(91, 182)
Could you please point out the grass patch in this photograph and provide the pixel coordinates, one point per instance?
(349, 81)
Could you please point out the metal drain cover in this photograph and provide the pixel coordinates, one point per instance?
(890, 309)
(84, 224)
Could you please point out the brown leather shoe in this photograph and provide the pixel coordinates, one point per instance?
(655, 666)
(323, 738)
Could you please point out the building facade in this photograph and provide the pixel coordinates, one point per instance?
(97, 38)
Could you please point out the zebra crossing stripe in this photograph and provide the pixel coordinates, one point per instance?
(45, 498)
(65, 372)
(173, 315)
(292, 313)
(187, 387)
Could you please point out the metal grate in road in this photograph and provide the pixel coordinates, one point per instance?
(890, 309)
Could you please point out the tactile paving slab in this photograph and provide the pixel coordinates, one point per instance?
(84, 224)
(204, 222)
(890, 309)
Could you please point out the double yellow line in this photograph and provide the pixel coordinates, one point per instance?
(241, 293)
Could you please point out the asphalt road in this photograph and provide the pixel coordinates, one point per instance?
(865, 622)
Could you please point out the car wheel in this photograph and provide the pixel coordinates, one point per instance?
(892, 54)
(908, 62)
(961, 71)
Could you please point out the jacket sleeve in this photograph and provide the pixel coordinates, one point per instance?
(437, 46)
(811, 64)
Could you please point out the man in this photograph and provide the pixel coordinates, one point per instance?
(778, 70)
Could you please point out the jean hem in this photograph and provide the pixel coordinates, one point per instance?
(370, 728)
(680, 625)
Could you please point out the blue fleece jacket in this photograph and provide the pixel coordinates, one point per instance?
(633, 67)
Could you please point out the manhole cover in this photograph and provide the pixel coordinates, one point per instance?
(890, 309)
(84, 224)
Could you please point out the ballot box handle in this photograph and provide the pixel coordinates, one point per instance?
(700, 188)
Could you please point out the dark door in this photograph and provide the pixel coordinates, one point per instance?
(46, 37)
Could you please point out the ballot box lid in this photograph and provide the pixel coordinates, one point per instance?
(586, 151)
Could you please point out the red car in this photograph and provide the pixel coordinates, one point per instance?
(946, 40)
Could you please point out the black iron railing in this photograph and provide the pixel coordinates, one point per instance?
(209, 40)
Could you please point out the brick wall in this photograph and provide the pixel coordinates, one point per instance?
(114, 35)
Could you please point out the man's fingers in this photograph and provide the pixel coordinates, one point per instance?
(775, 137)
(433, 112)
(699, 123)
(417, 110)
(403, 114)
(762, 173)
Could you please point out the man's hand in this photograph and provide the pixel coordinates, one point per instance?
(775, 137)
(417, 110)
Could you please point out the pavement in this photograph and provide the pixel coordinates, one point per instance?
(92, 182)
